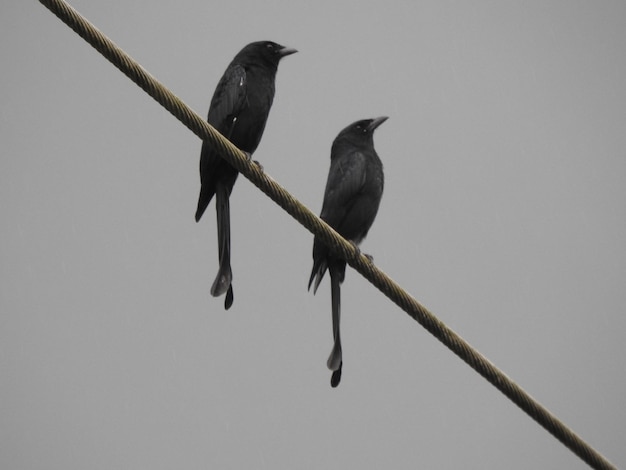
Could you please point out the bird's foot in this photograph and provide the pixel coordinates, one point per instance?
(359, 252)
(256, 162)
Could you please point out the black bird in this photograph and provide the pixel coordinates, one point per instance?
(239, 109)
(353, 192)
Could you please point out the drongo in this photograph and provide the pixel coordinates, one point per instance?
(239, 109)
(353, 192)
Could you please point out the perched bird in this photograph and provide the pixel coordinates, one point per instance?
(353, 192)
(239, 109)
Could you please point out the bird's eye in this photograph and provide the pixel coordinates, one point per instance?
(270, 46)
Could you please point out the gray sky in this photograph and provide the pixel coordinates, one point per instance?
(504, 213)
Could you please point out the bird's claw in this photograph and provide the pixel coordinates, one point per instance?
(370, 258)
(256, 162)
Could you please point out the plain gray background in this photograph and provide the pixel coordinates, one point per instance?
(504, 213)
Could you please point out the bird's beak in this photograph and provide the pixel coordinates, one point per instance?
(285, 51)
(376, 122)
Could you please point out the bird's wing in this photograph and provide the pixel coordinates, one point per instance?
(345, 181)
(229, 99)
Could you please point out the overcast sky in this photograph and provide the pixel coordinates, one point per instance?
(504, 213)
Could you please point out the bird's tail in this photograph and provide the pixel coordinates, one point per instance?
(203, 201)
(335, 360)
(223, 280)
(317, 274)
(320, 264)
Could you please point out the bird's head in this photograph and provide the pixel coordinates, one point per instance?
(265, 52)
(361, 131)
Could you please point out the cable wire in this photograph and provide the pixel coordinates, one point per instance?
(330, 237)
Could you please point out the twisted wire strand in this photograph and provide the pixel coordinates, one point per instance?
(330, 237)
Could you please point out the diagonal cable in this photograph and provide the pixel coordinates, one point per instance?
(319, 228)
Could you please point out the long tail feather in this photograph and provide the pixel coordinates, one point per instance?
(335, 360)
(223, 280)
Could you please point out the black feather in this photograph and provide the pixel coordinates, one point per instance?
(353, 192)
(239, 109)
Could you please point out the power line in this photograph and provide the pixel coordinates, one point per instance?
(319, 228)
